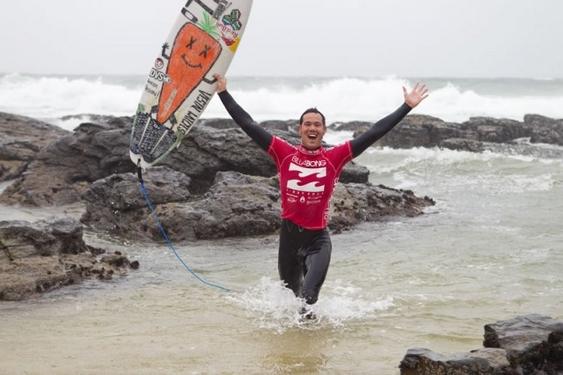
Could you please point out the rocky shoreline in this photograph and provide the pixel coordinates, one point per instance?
(530, 344)
(218, 183)
(42, 256)
(473, 135)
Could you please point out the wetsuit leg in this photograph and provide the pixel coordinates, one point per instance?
(290, 263)
(317, 259)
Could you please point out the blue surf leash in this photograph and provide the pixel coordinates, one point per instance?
(164, 234)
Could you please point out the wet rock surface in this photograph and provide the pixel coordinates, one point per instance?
(355, 203)
(217, 184)
(533, 342)
(21, 139)
(529, 344)
(55, 167)
(42, 256)
(235, 205)
(420, 361)
(428, 131)
(64, 169)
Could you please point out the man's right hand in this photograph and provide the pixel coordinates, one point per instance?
(221, 82)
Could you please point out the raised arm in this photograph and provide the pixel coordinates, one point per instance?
(380, 128)
(241, 117)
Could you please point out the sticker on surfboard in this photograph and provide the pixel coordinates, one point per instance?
(202, 42)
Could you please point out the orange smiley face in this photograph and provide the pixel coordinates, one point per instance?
(193, 54)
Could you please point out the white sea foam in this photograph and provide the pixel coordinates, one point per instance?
(52, 97)
(341, 99)
(498, 173)
(347, 99)
(447, 156)
(70, 123)
(272, 306)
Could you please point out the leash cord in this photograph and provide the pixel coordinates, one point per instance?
(167, 240)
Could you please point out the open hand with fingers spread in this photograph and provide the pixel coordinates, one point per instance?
(418, 94)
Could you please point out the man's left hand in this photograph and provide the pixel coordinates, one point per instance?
(418, 94)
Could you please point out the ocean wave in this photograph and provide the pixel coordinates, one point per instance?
(341, 99)
(446, 157)
(496, 173)
(53, 97)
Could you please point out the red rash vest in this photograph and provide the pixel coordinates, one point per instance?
(307, 180)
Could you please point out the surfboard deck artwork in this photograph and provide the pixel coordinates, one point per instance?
(202, 42)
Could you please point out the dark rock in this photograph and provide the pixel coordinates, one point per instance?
(122, 191)
(420, 131)
(530, 344)
(218, 123)
(238, 205)
(116, 260)
(459, 144)
(354, 203)
(22, 239)
(235, 205)
(353, 172)
(38, 257)
(119, 261)
(544, 129)
(111, 200)
(290, 126)
(21, 140)
(206, 151)
(487, 129)
(533, 342)
(420, 361)
(356, 126)
(427, 131)
(64, 169)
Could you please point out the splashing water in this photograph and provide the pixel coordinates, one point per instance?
(274, 307)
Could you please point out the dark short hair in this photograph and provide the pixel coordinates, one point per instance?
(312, 110)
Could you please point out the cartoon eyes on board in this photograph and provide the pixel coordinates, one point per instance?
(191, 43)
(205, 50)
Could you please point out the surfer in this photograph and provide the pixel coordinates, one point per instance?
(307, 176)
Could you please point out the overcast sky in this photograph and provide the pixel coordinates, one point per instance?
(407, 38)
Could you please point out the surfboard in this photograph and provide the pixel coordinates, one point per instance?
(202, 42)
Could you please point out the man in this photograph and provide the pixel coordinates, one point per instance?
(308, 174)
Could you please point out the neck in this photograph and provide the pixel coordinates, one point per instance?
(307, 150)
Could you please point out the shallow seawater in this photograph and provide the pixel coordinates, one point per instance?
(490, 249)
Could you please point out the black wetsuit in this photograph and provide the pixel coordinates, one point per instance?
(304, 254)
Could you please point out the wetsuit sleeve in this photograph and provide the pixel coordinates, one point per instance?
(247, 124)
(378, 130)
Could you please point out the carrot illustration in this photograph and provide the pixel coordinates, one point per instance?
(194, 52)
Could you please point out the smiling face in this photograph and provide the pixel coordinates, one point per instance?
(196, 52)
(193, 54)
(311, 130)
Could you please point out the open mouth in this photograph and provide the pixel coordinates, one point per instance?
(312, 136)
(187, 62)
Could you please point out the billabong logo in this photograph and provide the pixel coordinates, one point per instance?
(311, 187)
